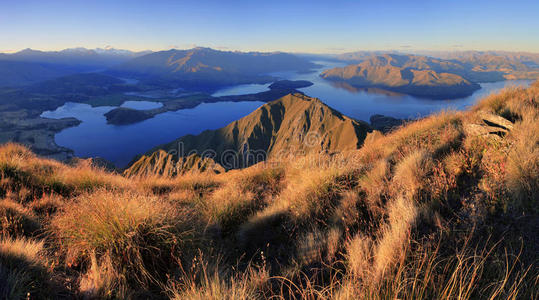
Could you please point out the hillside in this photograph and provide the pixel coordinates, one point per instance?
(441, 208)
(509, 65)
(205, 68)
(16, 73)
(290, 125)
(84, 85)
(414, 75)
(29, 66)
(475, 66)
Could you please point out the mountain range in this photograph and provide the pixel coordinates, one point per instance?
(31, 66)
(200, 69)
(76, 57)
(205, 68)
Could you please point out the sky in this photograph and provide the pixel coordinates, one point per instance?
(332, 26)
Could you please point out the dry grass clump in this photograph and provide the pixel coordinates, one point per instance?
(21, 170)
(24, 272)
(427, 274)
(103, 280)
(373, 258)
(243, 194)
(85, 177)
(217, 285)
(411, 174)
(140, 234)
(522, 171)
(309, 192)
(216, 288)
(375, 180)
(16, 220)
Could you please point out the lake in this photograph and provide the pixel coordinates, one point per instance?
(119, 144)
(362, 104)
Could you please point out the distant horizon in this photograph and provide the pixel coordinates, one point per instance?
(407, 50)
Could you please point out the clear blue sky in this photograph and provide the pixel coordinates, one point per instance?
(294, 25)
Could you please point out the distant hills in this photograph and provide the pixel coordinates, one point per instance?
(205, 68)
(477, 66)
(510, 65)
(200, 69)
(30, 66)
(80, 58)
(290, 125)
(410, 74)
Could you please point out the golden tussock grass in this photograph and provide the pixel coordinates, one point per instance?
(135, 235)
(24, 269)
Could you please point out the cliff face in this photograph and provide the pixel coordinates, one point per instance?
(414, 75)
(291, 125)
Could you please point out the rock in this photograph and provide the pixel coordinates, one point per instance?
(384, 123)
(484, 130)
(495, 120)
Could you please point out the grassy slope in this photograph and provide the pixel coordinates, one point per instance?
(438, 209)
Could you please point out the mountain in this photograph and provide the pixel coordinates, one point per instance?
(205, 68)
(415, 75)
(288, 126)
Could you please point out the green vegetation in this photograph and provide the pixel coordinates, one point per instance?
(441, 208)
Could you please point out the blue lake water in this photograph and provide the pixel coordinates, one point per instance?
(119, 144)
(141, 105)
(242, 89)
(361, 104)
